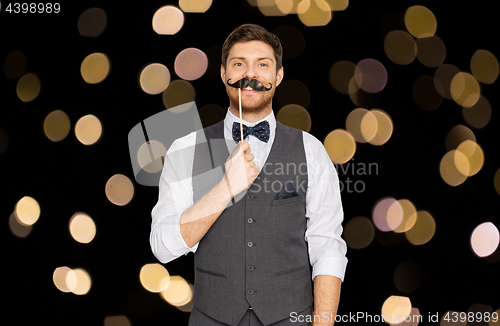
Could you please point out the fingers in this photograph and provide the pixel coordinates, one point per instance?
(244, 147)
(241, 170)
(248, 157)
(255, 167)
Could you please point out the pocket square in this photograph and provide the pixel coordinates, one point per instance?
(288, 191)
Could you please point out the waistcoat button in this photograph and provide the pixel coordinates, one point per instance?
(251, 268)
(250, 244)
(250, 197)
(250, 220)
(250, 291)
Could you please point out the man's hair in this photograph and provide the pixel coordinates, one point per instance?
(252, 32)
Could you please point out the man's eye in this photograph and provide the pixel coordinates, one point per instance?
(238, 64)
(263, 65)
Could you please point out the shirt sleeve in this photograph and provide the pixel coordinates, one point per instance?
(174, 197)
(327, 249)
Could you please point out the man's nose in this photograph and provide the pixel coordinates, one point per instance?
(251, 73)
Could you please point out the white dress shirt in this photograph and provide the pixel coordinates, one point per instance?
(323, 204)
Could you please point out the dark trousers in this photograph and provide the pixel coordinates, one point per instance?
(197, 318)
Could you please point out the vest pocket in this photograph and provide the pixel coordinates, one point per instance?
(278, 202)
(291, 270)
(201, 270)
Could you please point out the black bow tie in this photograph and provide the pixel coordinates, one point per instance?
(260, 130)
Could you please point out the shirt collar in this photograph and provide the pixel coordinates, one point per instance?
(231, 118)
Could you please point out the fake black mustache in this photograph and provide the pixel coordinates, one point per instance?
(254, 83)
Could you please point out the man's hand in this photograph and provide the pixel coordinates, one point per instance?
(241, 170)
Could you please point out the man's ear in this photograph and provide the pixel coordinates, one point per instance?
(223, 74)
(279, 76)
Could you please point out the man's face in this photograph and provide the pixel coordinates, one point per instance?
(252, 60)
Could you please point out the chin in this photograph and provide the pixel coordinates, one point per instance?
(253, 104)
(254, 107)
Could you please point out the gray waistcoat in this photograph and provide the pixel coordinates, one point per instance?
(255, 253)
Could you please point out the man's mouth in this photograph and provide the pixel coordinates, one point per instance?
(248, 88)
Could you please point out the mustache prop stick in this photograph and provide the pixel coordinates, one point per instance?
(244, 83)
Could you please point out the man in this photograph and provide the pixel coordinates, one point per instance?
(257, 224)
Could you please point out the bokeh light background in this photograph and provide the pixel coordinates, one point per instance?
(403, 95)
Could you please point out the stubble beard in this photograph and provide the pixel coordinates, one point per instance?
(259, 106)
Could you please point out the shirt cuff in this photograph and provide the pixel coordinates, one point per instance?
(173, 240)
(334, 266)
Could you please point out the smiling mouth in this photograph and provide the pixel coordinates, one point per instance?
(249, 85)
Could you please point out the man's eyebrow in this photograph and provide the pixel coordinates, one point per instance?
(244, 58)
(237, 58)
